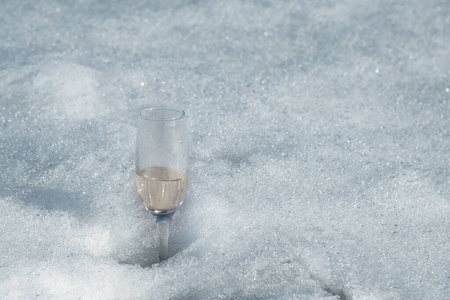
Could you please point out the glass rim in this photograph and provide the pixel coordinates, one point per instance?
(146, 114)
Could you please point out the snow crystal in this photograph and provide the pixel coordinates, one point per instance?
(319, 149)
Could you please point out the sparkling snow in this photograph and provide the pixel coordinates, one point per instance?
(319, 156)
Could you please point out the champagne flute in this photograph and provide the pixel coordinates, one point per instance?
(161, 163)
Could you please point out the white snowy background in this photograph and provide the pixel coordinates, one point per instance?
(319, 156)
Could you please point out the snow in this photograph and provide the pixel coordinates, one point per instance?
(319, 149)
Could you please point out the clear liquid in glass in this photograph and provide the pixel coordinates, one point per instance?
(161, 189)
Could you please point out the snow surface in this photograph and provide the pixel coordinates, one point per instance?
(319, 157)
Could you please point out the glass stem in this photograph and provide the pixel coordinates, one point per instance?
(163, 224)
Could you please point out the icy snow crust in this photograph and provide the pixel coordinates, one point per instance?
(319, 149)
